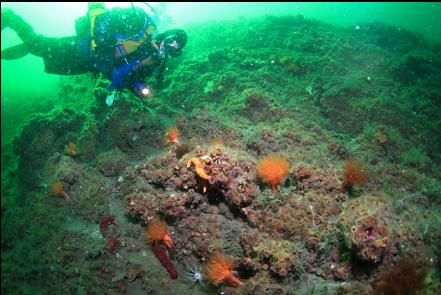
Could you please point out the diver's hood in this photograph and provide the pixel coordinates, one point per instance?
(174, 41)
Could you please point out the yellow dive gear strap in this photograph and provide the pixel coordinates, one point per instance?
(92, 15)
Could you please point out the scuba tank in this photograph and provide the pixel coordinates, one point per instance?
(84, 24)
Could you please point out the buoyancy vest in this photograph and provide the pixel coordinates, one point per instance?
(126, 30)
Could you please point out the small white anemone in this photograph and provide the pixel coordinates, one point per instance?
(194, 274)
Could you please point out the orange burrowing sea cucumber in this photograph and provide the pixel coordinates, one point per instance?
(220, 269)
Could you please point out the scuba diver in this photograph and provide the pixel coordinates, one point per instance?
(120, 43)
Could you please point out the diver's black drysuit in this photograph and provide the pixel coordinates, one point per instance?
(61, 55)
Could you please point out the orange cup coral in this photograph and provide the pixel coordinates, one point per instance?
(173, 135)
(273, 169)
(353, 174)
(220, 269)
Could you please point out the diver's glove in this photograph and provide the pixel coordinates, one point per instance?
(121, 73)
(110, 98)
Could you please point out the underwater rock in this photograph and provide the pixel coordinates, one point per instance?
(318, 180)
(369, 239)
(392, 38)
(177, 207)
(281, 256)
(414, 67)
(141, 207)
(258, 106)
(34, 148)
(213, 129)
(90, 188)
(268, 142)
(368, 229)
(218, 58)
(311, 211)
(230, 173)
(88, 141)
(206, 234)
(44, 141)
(160, 169)
(112, 163)
(252, 216)
(62, 168)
